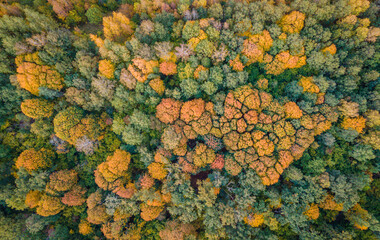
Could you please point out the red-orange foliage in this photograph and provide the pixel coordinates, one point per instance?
(74, 197)
(146, 181)
(168, 110)
(37, 108)
(236, 64)
(192, 110)
(255, 128)
(218, 162)
(168, 68)
(125, 191)
(32, 159)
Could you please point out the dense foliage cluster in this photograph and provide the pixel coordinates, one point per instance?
(189, 119)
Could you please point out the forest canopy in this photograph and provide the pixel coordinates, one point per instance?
(189, 119)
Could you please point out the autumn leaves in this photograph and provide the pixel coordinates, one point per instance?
(255, 129)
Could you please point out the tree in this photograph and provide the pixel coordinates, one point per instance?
(62, 180)
(94, 14)
(168, 110)
(168, 68)
(117, 27)
(66, 120)
(37, 108)
(292, 22)
(32, 159)
(32, 76)
(74, 197)
(116, 166)
(106, 68)
(49, 205)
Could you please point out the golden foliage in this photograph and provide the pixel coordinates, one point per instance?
(254, 220)
(284, 61)
(94, 199)
(117, 27)
(84, 227)
(31, 76)
(70, 125)
(157, 170)
(97, 215)
(312, 211)
(330, 204)
(201, 156)
(37, 108)
(115, 166)
(330, 49)
(292, 22)
(32, 198)
(106, 68)
(255, 46)
(48, 206)
(308, 85)
(358, 6)
(349, 109)
(199, 69)
(373, 118)
(140, 69)
(292, 110)
(357, 123)
(157, 85)
(359, 217)
(262, 83)
(32, 159)
(149, 213)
